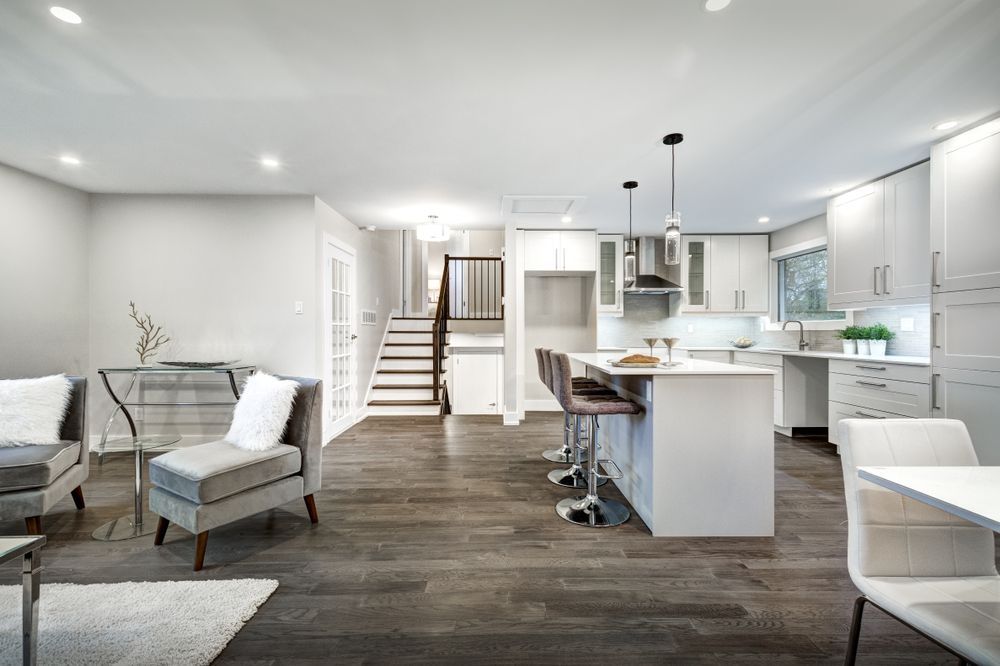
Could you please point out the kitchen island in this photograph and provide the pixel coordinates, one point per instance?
(699, 459)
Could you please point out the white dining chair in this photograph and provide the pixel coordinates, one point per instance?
(932, 571)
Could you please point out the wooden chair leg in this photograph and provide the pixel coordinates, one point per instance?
(77, 494)
(311, 508)
(855, 635)
(33, 524)
(201, 542)
(161, 531)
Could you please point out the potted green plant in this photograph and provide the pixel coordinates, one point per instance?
(879, 335)
(847, 336)
(862, 336)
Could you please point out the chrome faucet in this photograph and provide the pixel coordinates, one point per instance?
(802, 329)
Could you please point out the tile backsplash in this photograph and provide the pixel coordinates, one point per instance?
(649, 316)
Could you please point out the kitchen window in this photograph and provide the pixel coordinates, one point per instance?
(802, 288)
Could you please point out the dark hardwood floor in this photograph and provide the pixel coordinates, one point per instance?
(438, 542)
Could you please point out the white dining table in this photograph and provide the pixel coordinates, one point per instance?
(972, 493)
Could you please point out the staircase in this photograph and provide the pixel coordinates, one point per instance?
(404, 382)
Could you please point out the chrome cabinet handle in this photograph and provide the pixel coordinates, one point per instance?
(934, 269)
(708, 300)
(875, 384)
(934, 391)
(744, 299)
(869, 416)
(869, 367)
(557, 258)
(736, 296)
(934, 335)
(875, 286)
(885, 279)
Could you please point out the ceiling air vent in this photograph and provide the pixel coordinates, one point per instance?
(541, 206)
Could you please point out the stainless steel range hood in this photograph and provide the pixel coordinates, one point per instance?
(652, 275)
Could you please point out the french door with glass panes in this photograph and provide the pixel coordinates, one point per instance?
(340, 362)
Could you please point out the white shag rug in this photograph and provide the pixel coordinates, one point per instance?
(168, 623)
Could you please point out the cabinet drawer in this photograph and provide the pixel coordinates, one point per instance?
(754, 358)
(865, 367)
(887, 395)
(779, 377)
(840, 411)
(717, 356)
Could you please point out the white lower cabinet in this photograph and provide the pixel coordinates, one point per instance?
(477, 382)
(971, 396)
(964, 327)
(717, 356)
(866, 389)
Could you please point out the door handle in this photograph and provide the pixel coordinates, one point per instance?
(934, 333)
(354, 336)
(885, 279)
(934, 269)
(875, 384)
(564, 258)
(875, 287)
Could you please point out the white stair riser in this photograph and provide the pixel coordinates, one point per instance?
(393, 378)
(409, 337)
(403, 410)
(403, 394)
(408, 351)
(405, 364)
(412, 325)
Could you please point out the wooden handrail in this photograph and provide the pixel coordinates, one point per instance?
(440, 329)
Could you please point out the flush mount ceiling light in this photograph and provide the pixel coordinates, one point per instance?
(71, 160)
(946, 125)
(630, 243)
(66, 15)
(270, 162)
(672, 222)
(764, 219)
(566, 219)
(433, 231)
(716, 5)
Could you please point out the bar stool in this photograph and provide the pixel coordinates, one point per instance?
(590, 510)
(581, 386)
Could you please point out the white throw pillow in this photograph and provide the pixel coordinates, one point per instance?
(261, 412)
(32, 410)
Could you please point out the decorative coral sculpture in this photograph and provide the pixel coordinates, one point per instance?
(151, 338)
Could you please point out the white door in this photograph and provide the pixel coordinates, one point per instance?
(907, 269)
(855, 238)
(696, 266)
(578, 251)
(755, 266)
(542, 251)
(339, 358)
(965, 209)
(964, 326)
(611, 275)
(476, 383)
(971, 397)
(724, 279)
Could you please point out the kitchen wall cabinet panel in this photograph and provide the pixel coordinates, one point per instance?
(907, 270)
(964, 330)
(755, 265)
(611, 275)
(579, 250)
(554, 252)
(972, 397)
(724, 279)
(696, 267)
(541, 251)
(855, 245)
(725, 274)
(965, 210)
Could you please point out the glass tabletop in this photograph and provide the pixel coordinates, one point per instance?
(12, 547)
(140, 443)
(167, 369)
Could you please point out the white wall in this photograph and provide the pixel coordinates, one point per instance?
(800, 232)
(43, 276)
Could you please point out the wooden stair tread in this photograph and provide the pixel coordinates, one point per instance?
(402, 386)
(403, 403)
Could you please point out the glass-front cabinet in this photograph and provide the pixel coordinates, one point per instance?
(610, 275)
(695, 271)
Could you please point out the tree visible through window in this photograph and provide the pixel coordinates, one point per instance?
(802, 288)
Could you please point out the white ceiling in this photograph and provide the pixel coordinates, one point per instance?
(390, 110)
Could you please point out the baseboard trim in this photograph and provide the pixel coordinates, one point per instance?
(545, 405)
(510, 419)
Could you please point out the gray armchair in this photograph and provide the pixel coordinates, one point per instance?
(206, 486)
(34, 478)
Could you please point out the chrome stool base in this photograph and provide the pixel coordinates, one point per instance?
(592, 511)
(561, 455)
(574, 477)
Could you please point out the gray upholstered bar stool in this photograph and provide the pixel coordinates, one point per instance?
(581, 386)
(590, 510)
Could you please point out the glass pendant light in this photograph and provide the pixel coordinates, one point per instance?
(630, 243)
(433, 231)
(673, 219)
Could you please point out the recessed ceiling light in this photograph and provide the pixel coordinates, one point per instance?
(716, 5)
(763, 219)
(946, 125)
(269, 162)
(65, 15)
(566, 219)
(70, 159)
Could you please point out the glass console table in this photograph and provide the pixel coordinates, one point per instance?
(29, 548)
(140, 523)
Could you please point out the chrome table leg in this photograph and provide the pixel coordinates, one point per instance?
(32, 576)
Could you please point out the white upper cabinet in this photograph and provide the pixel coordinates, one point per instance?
(725, 273)
(965, 210)
(755, 265)
(611, 275)
(878, 242)
(560, 251)
(907, 271)
(964, 327)
(854, 223)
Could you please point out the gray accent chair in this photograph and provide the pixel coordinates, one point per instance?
(34, 478)
(206, 486)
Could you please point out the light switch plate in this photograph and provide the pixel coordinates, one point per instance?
(298, 307)
(906, 323)
(690, 328)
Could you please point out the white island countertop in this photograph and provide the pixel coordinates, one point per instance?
(837, 356)
(685, 366)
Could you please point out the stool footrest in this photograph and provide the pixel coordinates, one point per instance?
(615, 474)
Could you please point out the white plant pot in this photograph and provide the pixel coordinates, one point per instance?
(877, 347)
(850, 347)
(863, 348)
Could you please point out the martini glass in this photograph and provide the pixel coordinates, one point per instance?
(670, 343)
(649, 343)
